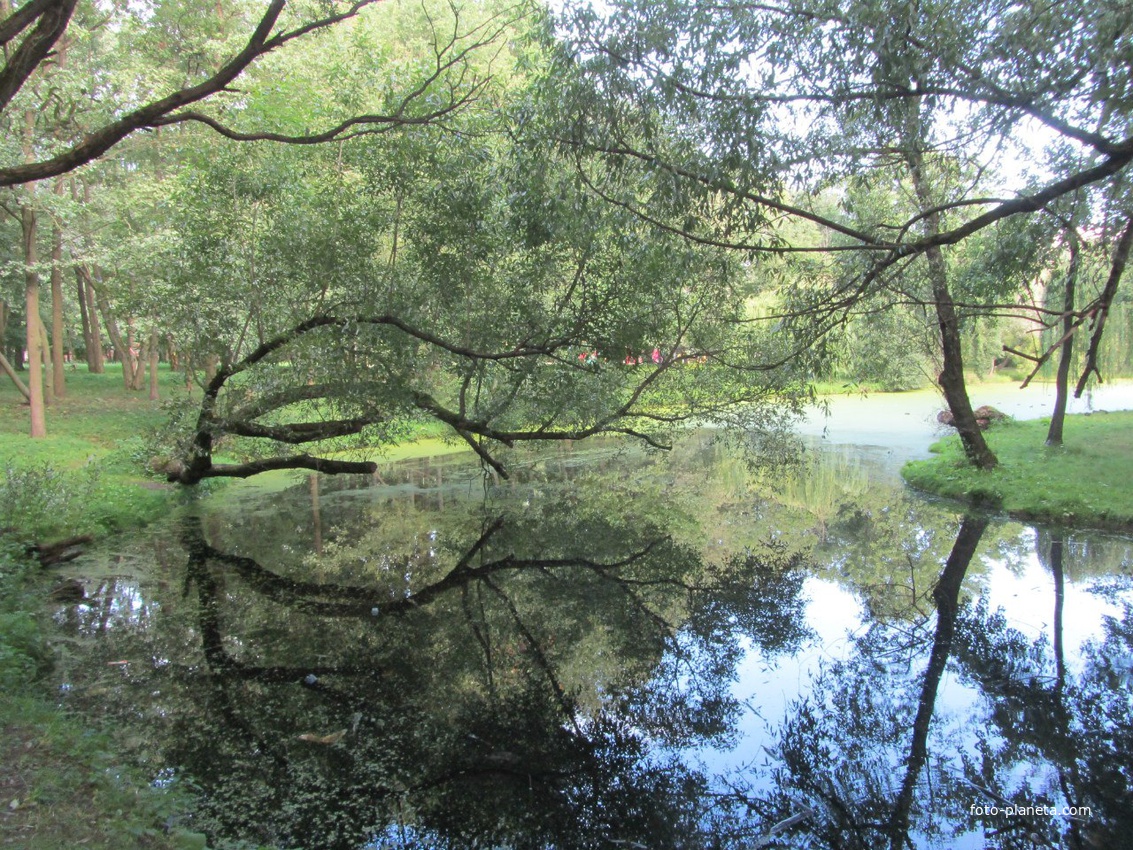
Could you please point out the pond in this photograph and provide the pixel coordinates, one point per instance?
(616, 649)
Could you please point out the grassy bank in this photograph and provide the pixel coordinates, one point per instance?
(1084, 483)
(61, 782)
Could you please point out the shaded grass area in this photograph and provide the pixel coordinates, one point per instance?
(61, 785)
(1088, 482)
(88, 476)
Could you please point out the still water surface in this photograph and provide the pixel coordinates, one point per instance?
(616, 649)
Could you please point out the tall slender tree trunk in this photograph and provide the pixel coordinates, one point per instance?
(121, 346)
(29, 227)
(84, 316)
(133, 362)
(153, 363)
(92, 333)
(98, 366)
(951, 378)
(36, 400)
(45, 354)
(1066, 355)
(58, 332)
(316, 516)
(1116, 270)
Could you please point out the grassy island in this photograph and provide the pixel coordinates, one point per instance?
(1087, 482)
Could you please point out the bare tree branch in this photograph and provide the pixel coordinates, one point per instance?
(298, 432)
(1117, 268)
(170, 109)
(303, 461)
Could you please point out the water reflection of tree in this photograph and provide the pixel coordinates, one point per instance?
(513, 696)
(1056, 736)
(854, 751)
(872, 761)
(502, 673)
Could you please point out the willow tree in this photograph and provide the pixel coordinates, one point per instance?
(464, 278)
(754, 113)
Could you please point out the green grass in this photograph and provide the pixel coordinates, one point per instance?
(88, 475)
(61, 785)
(1084, 483)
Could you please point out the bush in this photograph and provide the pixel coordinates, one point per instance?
(23, 652)
(37, 500)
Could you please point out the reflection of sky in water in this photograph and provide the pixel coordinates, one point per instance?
(110, 604)
(765, 687)
(1026, 598)
(1024, 591)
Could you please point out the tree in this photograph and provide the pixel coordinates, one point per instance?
(53, 20)
(748, 115)
(79, 80)
(466, 280)
(1079, 266)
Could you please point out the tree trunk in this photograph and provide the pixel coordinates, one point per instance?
(133, 363)
(92, 333)
(1066, 355)
(29, 225)
(45, 353)
(1116, 269)
(190, 373)
(36, 400)
(127, 356)
(951, 378)
(316, 516)
(99, 365)
(84, 317)
(112, 330)
(58, 341)
(153, 362)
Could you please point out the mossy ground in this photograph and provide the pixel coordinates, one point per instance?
(1087, 482)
